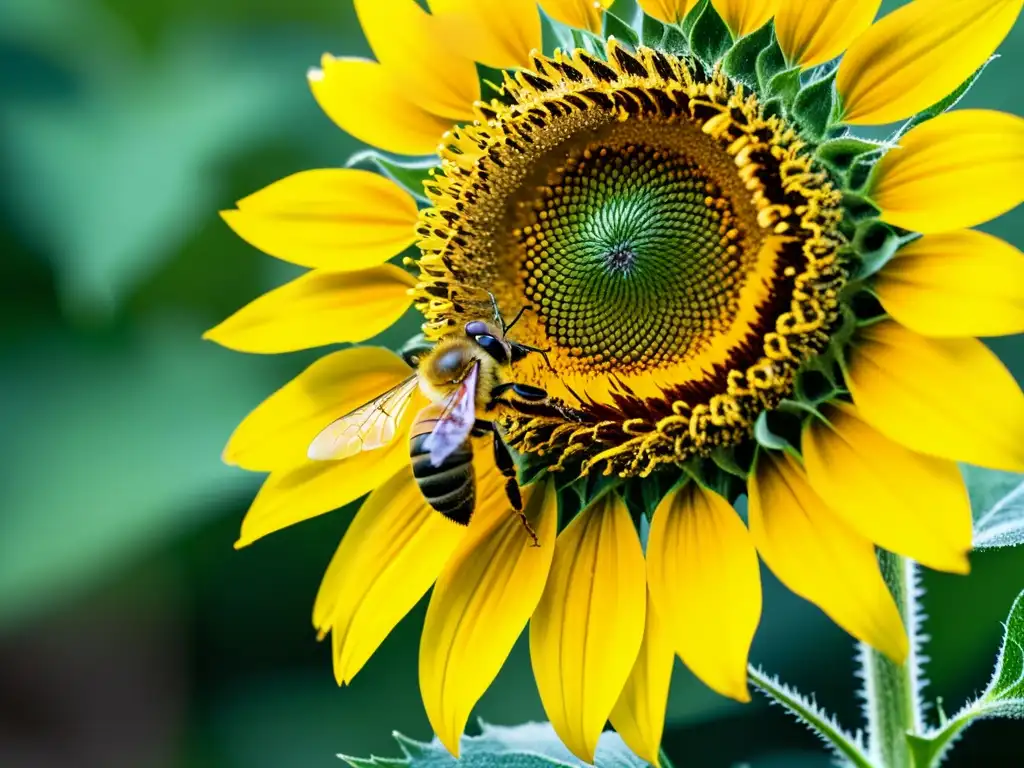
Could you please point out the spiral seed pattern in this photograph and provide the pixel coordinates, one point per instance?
(631, 256)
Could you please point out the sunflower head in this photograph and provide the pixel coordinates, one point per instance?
(733, 292)
(680, 249)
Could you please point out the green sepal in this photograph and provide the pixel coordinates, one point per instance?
(643, 495)
(589, 42)
(593, 486)
(410, 174)
(945, 103)
(740, 62)
(491, 82)
(707, 473)
(710, 37)
(815, 107)
(784, 86)
(817, 383)
(773, 108)
(841, 154)
(875, 244)
(686, 27)
(652, 32)
(769, 63)
(530, 467)
(1004, 696)
(675, 42)
(858, 207)
(729, 460)
(774, 430)
(554, 34)
(620, 30)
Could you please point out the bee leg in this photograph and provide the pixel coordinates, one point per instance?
(519, 351)
(523, 391)
(481, 427)
(503, 460)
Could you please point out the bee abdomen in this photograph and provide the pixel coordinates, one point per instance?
(449, 488)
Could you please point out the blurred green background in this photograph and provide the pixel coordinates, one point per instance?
(131, 634)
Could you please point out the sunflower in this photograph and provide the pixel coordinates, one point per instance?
(737, 297)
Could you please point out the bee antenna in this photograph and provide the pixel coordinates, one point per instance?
(516, 318)
(497, 313)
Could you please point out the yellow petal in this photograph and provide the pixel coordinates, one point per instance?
(318, 308)
(703, 575)
(368, 102)
(956, 170)
(291, 495)
(950, 398)
(338, 219)
(408, 42)
(278, 432)
(669, 11)
(639, 714)
(745, 16)
(481, 602)
(918, 54)
(821, 559)
(955, 284)
(811, 32)
(582, 14)
(392, 552)
(904, 501)
(498, 33)
(587, 629)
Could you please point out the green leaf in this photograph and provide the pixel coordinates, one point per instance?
(997, 505)
(622, 31)
(531, 745)
(1006, 689)
(814, 105)
(820, 722)
(409, 173)
(943, 104)
(710, 37)
(770, 62)
(741, 61)
(1004, 696)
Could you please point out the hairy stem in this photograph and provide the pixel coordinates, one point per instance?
(892, 691)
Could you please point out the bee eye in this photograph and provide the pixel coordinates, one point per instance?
(475, 329)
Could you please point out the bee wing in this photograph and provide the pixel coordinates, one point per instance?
(367, 427)
(455, 424)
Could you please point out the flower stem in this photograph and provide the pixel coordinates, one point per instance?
(663, 759)
(892, 691)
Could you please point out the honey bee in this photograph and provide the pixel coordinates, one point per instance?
(464, 377)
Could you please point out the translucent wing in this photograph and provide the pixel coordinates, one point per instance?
(456, 422)
(367, 427)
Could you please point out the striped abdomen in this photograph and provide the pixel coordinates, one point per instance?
(451, 487)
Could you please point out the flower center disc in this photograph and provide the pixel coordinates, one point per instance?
(632, 254)
(677, 249)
